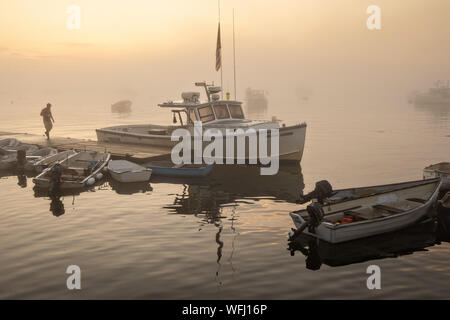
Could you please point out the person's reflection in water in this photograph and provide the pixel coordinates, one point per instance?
(21, 160)
(21, 180)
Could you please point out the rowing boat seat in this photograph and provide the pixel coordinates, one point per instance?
(356, 214)
(417, 200)
(388, 208)
(367, 213)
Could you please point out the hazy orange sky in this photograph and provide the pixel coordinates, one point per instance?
(157, 49)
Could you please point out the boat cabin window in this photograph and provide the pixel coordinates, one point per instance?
(236, 111)
(192, 116)
(206, 114)
(221, 111)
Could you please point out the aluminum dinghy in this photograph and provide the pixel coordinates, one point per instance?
(77, 171)
(369, 215)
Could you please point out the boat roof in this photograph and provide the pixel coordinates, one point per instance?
(190, 105)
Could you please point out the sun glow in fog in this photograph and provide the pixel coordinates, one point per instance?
(162, 47)
(29, 27)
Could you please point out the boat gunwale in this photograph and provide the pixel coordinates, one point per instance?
(421, 181)
(135, 169)
(200, 168)
(140, 136)
(425, 181)
(69, 154)
(192, 105)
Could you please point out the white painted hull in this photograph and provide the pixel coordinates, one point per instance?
(291, 143)
(440, 170)
(345, 232)
(128, 177)
(127, 172)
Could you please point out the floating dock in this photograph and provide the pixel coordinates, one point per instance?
(135, 153)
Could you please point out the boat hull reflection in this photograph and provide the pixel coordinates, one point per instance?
(130, 187)
(416, 238)
(230, 184)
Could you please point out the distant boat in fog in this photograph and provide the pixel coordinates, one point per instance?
(439, 95)
(123, 106)
(303, 93)
(256, 101)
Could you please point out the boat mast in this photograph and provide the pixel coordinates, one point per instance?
(221, 60)
(234, 60)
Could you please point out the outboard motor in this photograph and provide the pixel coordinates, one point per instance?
(316, 214)
(55, 179)
(322, 191)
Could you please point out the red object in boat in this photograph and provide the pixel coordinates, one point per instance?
(346, 220)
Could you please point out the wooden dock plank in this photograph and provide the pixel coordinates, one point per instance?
(138, 153)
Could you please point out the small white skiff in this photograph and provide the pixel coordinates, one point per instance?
(37, 156)
(439, 170)
(126, 171)
(9, 157)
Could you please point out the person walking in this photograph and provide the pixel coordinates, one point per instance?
(47, 116)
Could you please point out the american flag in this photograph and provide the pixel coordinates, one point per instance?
(218, 51)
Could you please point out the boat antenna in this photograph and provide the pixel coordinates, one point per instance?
(219, 51)
(234, 59)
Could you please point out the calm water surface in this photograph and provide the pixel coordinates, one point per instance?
(225, 237)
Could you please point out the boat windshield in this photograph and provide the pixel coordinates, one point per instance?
(221, 111)
(206, 114)
(236, 111)
(192, 115)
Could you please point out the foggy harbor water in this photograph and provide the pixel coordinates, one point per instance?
(224, 236)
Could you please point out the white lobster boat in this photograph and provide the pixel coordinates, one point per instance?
(373, 214)
(215, 114)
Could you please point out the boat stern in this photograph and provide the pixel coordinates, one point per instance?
(292, 142)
